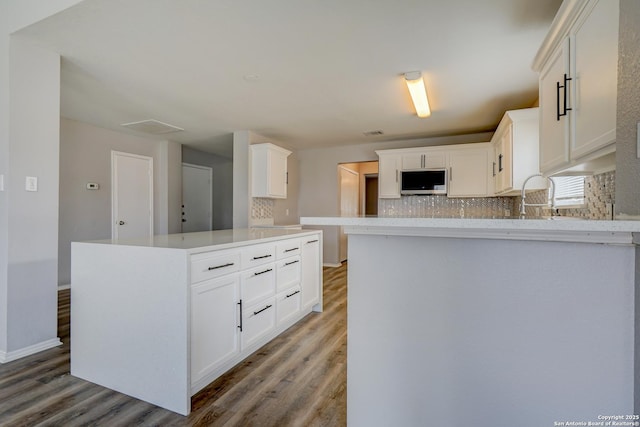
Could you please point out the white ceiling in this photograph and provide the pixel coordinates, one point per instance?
(307, 73)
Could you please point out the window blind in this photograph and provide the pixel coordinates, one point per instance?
(569, 191)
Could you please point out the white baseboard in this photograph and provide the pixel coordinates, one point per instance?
(326, 264)
(63, 287)
(27, 351)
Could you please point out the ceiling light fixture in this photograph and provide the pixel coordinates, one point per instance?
(418, 92)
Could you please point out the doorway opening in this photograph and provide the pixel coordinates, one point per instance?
(357, 195)
(371, 194)
(197, 190)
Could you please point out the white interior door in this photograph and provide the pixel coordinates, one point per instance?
(349, 187)
(131, 195)
(196, 198)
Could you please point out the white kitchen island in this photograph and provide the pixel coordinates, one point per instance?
(483, 322)
(160, 318)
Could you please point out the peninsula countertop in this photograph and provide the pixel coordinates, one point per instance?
(551, 229)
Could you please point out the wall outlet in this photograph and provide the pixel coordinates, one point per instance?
(286, 212)
(31, 183)
(93, 186)
(609, 208)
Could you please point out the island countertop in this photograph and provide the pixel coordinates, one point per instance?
(209, 240)
(552, 229)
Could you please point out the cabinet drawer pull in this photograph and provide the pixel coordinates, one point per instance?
(312, 241)
(292, 249)
(262, 272)
(290, 295)
(220, 266)
(262, 257)
(260, 311)
(291, 262)
(240, 325)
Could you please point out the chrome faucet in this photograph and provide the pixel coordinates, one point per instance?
(551, 204)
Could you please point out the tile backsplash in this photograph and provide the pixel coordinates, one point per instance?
(261, 208)
(442, 206)
(599, 192)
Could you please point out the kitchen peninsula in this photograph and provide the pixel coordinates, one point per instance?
(160, 318)
(490, 321)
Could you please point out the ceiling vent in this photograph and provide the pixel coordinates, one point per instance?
(373, 133)
(151, 126)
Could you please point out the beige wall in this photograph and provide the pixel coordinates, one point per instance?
(85, 156)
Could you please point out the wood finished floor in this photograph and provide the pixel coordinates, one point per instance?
(298, 379)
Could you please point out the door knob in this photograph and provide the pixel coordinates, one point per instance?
(121, 223)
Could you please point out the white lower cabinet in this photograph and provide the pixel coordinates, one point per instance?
(214, 324)
(311, 273)
(257, 284)
(287, 304)
(273, 285)
(257, 321)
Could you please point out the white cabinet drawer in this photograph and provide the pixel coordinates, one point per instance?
(257, 283)
(258, 254)
(287, 304)
(287, 273)
(287, 248)
(257, 321)
(214, 264)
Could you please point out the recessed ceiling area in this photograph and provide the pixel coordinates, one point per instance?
(308, 74)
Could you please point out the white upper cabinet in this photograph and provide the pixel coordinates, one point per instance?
(595, 61)
(578, 84)
(467, 167)
(469, 171)
(424, 160)
(269, 171)
(515, 145)
(388, 175)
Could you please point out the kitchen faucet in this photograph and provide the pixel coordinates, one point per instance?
(550, 204)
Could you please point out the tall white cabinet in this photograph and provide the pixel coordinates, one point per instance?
(578, 84)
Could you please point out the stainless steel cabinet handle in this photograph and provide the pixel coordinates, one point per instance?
(262, 272)
(292, 249)
(292, 262)
(240, 325)
(312, 241)
(290, 295)
(260, 311)
(261, 257)
(220, 266)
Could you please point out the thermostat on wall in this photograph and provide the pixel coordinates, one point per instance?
(93, 186)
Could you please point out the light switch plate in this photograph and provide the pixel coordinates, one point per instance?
(31, 183)
(1, 182)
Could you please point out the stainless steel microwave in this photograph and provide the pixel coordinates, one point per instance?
(423, 181)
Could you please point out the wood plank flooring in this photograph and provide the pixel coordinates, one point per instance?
(298, 379)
